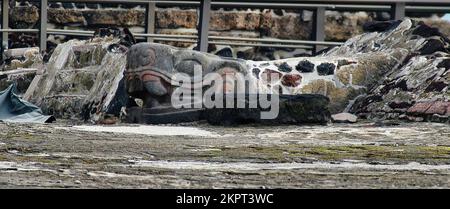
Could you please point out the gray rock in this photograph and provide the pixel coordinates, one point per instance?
(415, 89)
(81, 80)
(294, 109)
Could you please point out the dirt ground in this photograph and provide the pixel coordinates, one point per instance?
(362, 155)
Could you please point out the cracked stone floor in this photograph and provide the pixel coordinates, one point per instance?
(197, 155)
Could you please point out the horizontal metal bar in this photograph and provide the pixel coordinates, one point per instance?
(69, 34)
(99, 1)
(70, 31)
(183, 38)
(327, 43)
(334, 5)
(83, 32)
(164, 35)
(302, 5)
(178, 2)
(262, 1)
(175, 40)
(427, 8)
(261, 45)
(344, 5)
(19, 30)
(124, 1)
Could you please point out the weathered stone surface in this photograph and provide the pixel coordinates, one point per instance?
(438, 108)
(342, 26)
(339, 97)
(442, 25)
(295, 109)
(234, 20)
(225, 52)
(368, 155)
(289, 26)
(380, 26)
(344, 118)
(66, 16)
(117, 17)
(21, 65)
(403, 74)
(82, 80)
(447, 112)
(22, 80)
(114, 17)
(22, 58)
(175, 19)
(24, 16)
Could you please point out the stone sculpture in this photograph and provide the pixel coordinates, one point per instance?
(343, 74)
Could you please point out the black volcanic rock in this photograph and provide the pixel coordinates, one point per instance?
(284, 67)
(380, 26)
(305, 66)
(225, 52)
(326, 69)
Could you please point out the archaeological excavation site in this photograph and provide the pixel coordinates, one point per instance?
(208, 94)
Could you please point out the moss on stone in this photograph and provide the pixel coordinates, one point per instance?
(339, 97)
(369, 153)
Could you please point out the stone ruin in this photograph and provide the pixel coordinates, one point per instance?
(396, 70)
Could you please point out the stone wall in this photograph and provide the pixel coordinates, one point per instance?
(252, 23)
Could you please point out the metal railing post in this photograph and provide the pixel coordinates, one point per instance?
(398, 11)
(5, 21)
(319, 28)
(150, 22)
(43, 25)
(203, 25)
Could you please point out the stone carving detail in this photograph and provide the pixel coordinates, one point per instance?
(388, 63)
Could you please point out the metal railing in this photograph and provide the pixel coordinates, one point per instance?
(397, 8)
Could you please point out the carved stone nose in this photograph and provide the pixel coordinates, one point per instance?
(134, 85)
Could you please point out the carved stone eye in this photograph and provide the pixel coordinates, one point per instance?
(147, 58)
(141, 56)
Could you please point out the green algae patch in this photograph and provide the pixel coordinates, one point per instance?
(368, 153)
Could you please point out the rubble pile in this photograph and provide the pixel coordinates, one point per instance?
(83, 80)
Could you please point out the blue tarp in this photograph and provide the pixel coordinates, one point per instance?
(14, 109)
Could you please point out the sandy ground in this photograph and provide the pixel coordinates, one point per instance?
(363, 155)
